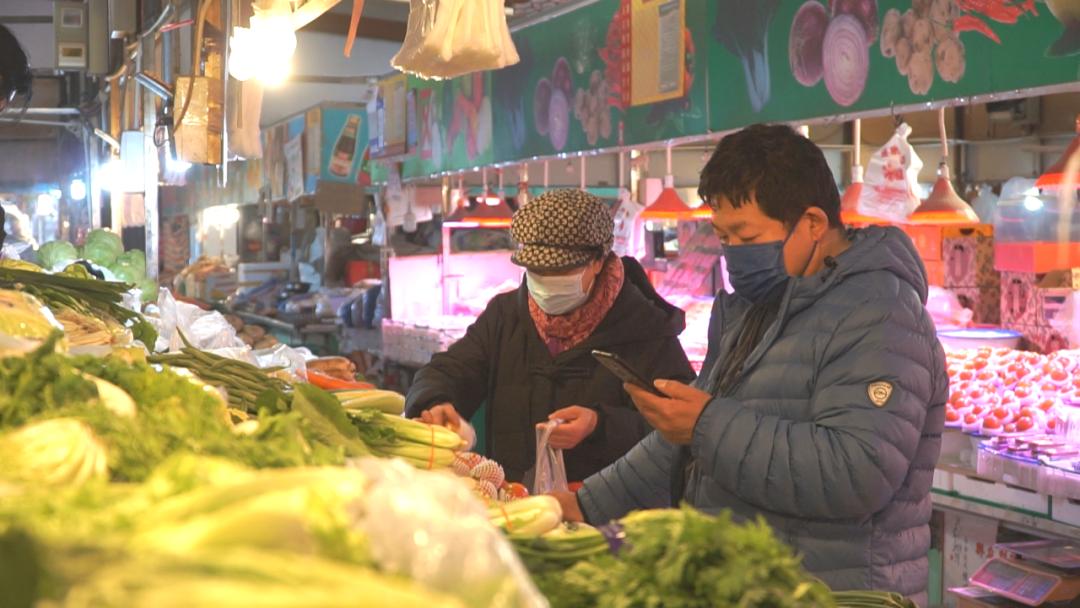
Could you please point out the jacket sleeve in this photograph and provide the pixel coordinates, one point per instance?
(639, 480)
(852, 457)
(459, 375)
(622, 426)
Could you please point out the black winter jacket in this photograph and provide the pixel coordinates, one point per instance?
(502, 361)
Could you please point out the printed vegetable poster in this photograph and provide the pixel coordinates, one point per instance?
(573, 89)
(804, 59)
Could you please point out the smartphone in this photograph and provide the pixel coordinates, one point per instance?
(624, 372)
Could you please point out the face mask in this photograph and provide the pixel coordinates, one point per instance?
(557, 295)
(758, 268)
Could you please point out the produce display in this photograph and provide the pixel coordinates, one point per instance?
(996, 391)
(89, 305)
(248, 387)
(104, 249)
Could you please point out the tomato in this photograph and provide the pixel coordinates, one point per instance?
(977, 394)
(1051, 425)
(951, 415)
(981, 364)
(1025, 412)
(1025, 424)
(1046, 405)
(991, 423)
(1001, 413)
(1010, 428)
(971, 418)
(956, 397)
(986, 376)
(966, 374)
(1059, 376)
(516, 490)
(978, 410)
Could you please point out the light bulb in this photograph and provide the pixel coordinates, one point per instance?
(77, 190)
(1033, 203)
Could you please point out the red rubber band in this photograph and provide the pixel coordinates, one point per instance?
(506, 516)
(431, 460)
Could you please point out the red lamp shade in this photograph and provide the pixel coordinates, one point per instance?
(1055, 175)
(491, 212)
(849, 205)
(944, 206)
(670, 207)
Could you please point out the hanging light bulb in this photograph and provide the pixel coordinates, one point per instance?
(944, 206)
(264, 50)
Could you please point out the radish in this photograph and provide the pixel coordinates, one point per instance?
(805, 43)
(864, 10)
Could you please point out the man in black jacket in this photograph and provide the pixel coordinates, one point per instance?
(528, 356)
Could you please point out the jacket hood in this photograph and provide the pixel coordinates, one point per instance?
(873, 249)
(638, 314)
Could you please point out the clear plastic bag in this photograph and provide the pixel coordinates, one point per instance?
(892, 179)
(550, 468)
(429, 527)
(294, 361)
(1067, 320)
(946, 310)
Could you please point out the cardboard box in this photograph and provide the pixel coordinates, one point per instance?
(198, 140)
(969, 261)
(984, 302)
(1009, 497)
(927, 240)
(1035, 257)
(1019, 307)
(935, 273)
(1066, 511)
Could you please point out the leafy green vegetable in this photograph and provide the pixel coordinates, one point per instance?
(102, 247)
(682, 558)
(327, 419)
(134, 258)
(57, 253)
(74, 288)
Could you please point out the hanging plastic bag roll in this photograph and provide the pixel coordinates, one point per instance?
(892, 179)
(550, 469)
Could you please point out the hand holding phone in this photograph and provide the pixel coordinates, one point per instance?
(624, 372)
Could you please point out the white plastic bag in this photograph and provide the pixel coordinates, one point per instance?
(1067, 320)
(892, 179)
(629, 237)
(550, 468)
(945, 309)
(429, 527)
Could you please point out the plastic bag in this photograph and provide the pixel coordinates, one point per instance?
(1067, 320)
(629, 237)
(892, 179)
(293, 360)
(429, 527)
(945, 309)
(550, 468)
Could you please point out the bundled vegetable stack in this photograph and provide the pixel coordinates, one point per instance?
(106, 250)
(678, 557)
(76, 292)
(425, 446)
(248, 387)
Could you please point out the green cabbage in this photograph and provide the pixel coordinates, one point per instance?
(57, 253)
(102, 247)
(126, 272)
(134, 258)
(149, 289)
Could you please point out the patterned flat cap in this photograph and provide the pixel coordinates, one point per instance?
(561, 229)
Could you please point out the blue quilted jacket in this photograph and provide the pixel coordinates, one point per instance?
(802, 440)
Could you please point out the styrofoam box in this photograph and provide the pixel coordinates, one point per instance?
(1067, 511)
(1001, 494)
(943, 480)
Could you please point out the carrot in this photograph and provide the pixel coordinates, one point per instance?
(968, 23)
(331, 383)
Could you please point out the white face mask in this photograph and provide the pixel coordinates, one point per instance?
(557, 295)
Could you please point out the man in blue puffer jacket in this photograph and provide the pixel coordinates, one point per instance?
(821, 402)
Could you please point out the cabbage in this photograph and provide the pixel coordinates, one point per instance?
(126, 272)
(61, 451)
(57, 253)
(24, 316)
(102, 247)
(149, 289)
(20, 265)
(136, 259)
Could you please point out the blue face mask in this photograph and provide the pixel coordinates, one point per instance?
(758, 268)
